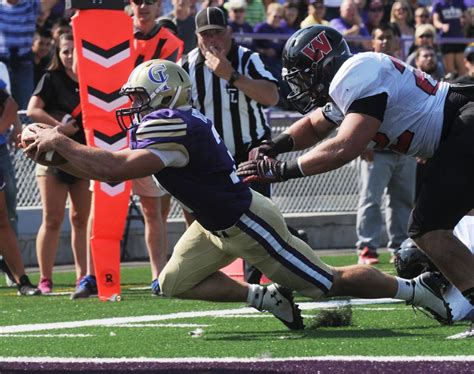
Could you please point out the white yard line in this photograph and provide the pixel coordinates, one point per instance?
(154, 318)
(46, 335)
(159, 325)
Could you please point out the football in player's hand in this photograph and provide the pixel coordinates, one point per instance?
(50, 158)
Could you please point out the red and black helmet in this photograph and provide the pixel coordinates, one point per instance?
(311, 58)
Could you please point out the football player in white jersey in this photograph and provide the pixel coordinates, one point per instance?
(185, 154)
(379, 102)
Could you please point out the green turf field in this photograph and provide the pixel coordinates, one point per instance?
(161, 327)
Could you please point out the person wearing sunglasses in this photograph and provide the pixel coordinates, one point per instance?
(422, 16)
(316, 14)
(425, 36)
(374, 15)
(401, 14)
(236, 10)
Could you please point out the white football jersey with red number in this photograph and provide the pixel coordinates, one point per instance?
(413, 118)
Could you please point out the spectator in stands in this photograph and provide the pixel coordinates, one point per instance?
(383, 171)
(375, 12)
(9, 248)
(401, 14)
(426, 60)
(425, 37)
(15, 45)
(51, 11)
(236, 10)
(422, 16)
(316, 14)
(270, 50)
(332, 9)
(59, 27)
(42, 47)
(447, 16)
(255, 12)
(350, 24)
(148, 41)
(467, 78)
(168, 24)
(56, 102)
(291, 16)
(183, 17)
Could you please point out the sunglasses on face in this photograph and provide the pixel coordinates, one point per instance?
(423, 15)
(470, 58)
(376, 10)
(147, 2)
(401, 10)
(426, 36)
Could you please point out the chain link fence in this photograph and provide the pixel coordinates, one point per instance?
(336, 191)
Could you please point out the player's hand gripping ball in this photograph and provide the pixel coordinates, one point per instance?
(49, 158)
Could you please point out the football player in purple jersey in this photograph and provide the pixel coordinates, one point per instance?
(378, 102)
(182, 150)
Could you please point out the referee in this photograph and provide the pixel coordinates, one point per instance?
(232, 85)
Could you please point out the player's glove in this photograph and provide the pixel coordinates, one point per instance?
(271, 148)
(266, 148)
(267, 170)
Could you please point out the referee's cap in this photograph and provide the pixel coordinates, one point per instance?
(211, 18)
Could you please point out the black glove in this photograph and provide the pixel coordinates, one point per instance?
(267, 170)
(267, 148)
(271, 148)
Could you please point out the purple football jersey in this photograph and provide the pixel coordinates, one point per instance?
(208, 185)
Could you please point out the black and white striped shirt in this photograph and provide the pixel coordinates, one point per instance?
(238, 119)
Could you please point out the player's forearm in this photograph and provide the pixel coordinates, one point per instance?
(89, 162)
(327, 156)
(309, 130)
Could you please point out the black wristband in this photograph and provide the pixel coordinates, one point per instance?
(283, 143)
(291, 170)
(233, 77)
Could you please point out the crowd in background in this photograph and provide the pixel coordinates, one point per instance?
(420, 33)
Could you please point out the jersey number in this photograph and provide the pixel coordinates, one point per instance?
(401, 146)
(421, 79)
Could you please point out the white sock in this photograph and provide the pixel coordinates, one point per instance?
(255, 295)
(405, 289)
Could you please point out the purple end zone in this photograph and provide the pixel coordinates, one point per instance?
(309, 366)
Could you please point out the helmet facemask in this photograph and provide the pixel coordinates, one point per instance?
(130, 117)
(307, 88)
